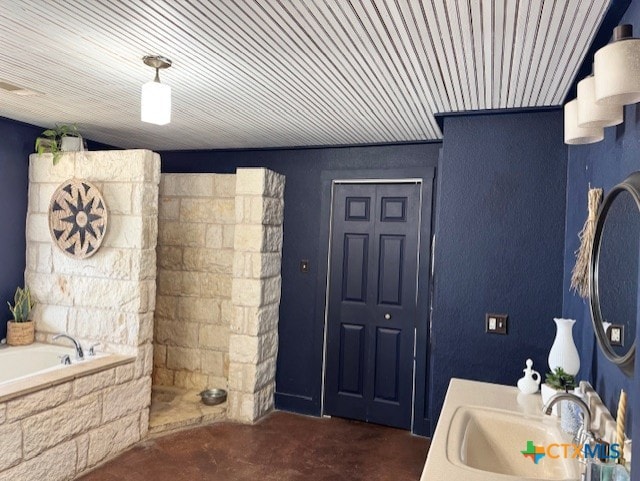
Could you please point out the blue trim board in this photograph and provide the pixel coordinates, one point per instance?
(440, 116)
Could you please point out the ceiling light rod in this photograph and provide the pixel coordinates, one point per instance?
(622, 32)
(157, 62)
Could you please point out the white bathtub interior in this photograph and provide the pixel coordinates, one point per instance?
(19, 362)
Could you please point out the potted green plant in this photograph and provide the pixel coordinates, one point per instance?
(555, 382)
(21, 331)
(62, 138)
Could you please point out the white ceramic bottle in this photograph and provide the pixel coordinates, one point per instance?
(528, 384)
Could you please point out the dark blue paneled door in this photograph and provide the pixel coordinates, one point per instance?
(372, 302)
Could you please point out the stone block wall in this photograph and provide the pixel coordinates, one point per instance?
(60, 432)
(107, 299)
(253, 343)
(195, 257)
(110, 297)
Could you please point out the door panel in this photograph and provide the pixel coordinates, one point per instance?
(352, 360)
(354, 274)
(372, 302)
(387, 364)
(390, 269)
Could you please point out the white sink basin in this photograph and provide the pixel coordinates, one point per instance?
(491, 440)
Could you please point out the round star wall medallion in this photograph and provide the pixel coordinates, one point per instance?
(77, 218)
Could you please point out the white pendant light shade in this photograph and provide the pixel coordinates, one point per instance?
(156, 103)
(578, 135)
(617, 69)
(592, 115)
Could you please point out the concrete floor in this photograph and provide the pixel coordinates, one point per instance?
(283, 447)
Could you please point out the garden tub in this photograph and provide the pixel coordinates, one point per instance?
(26, 369)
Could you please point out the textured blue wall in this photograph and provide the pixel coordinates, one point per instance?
(500, 214)
(17, 144)
(299, 357)
(603, 164)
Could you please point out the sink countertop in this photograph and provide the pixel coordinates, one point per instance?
(484, 395)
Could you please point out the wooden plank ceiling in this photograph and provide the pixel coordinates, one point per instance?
(270, 73)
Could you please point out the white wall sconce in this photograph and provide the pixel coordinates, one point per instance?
(573, 134)
(617, 69)
(155, 106)
(591, 114)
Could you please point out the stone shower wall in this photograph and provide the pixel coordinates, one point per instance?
(195, 257)
(253, 344)
(107, 299)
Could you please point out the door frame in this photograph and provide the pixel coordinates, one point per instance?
(425, 178)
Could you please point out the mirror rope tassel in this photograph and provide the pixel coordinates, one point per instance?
(580, 273)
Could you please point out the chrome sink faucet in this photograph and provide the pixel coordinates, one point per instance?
(79, 352)
(585, 434)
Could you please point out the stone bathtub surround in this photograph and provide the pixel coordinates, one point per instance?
(195, 257)
(59, 432)
(109, 300)
(37, 382)
(253, 343)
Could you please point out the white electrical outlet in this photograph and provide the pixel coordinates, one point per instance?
(496, 323)
(615, 333)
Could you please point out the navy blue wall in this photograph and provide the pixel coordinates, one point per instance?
(500, 213)
(299, 368)
(15, 147)
(17, 141)
(603, 164)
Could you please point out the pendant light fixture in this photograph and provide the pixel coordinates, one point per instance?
(156, 97)
(591, 114)
(573, 134)
(617, 69)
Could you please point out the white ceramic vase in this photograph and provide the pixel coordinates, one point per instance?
(563, 352)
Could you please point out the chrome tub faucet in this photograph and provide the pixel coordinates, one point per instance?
(79, 352)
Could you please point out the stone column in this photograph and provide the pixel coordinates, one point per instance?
(255, 294)
(110, 297)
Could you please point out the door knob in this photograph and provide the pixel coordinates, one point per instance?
(387, 316)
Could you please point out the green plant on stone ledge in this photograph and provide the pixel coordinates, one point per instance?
(560, 380)
(22, 305)
(50, 140)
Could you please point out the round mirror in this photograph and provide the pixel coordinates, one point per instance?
(615, 271)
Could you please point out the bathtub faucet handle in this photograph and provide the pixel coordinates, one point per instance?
(92, 349)
(65, 359)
